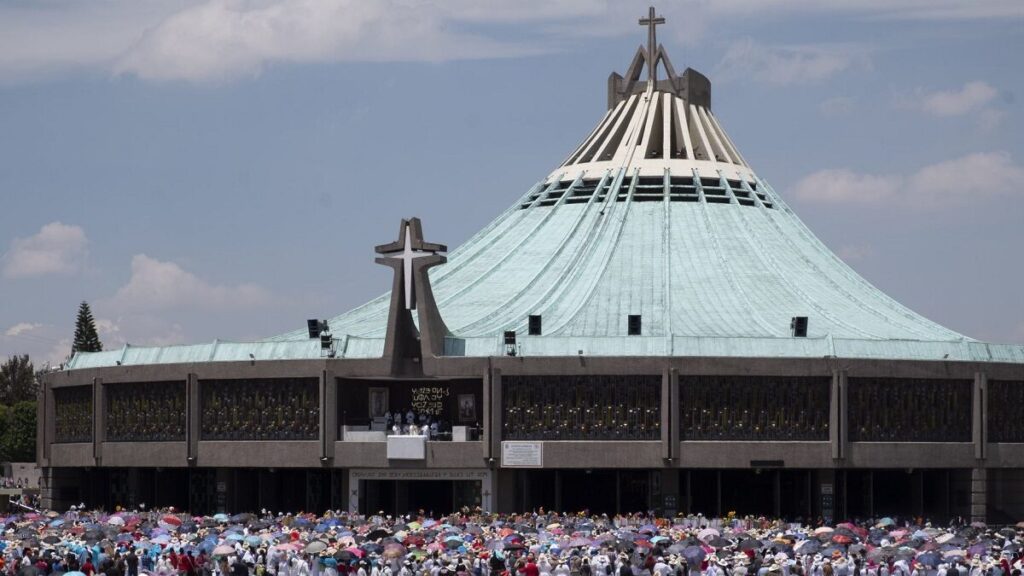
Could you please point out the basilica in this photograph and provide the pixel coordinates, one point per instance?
(648, 327)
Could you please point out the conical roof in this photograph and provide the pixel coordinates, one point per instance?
(656, 214)
(653, 237)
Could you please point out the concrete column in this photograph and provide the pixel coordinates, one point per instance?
(979, 422)
(192, 415)
(979, 494)
(331, 414)
(328, 416)
(666, 418)
(99, 419)
(496, 414)
(837, 426)
(485, 436)
(673, 410)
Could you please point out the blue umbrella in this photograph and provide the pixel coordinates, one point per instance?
(694, 554)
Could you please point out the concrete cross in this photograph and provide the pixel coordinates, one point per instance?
(407, 255)
(652, 43)
(409, 247)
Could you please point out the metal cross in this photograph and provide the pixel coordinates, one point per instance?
(652, 43)
(407, 255)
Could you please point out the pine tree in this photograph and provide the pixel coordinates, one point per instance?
(86, 337)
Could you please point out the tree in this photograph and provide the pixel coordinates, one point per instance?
(17, 380)
(86, 337)
(19, 442)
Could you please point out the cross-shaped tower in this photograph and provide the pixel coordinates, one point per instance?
(652, 22)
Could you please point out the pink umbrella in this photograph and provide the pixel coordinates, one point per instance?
(356, 552)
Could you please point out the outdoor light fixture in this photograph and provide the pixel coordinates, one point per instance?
(510, 343)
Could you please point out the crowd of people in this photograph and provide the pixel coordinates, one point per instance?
(474, 543)
(413, 424)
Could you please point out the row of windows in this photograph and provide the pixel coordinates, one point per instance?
(576, 407)
(652, 189)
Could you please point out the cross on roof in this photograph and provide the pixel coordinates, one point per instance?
(401, 254)
(652, 43)
(407, 255)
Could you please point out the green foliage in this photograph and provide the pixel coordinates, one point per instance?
(86, 337)
(17, 380)
(5, 426)
(18, 388)
(19, 440)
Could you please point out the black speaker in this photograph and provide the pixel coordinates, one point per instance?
(510, 337)
(313, 325)
(635, 325)
(535, 325)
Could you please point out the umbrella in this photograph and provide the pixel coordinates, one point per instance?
(719, 542)
(929, 559)
(707, 533)
(344, 555)
(223, 550)
(842, 539)
(115, 521)
(316, 547)
(954, 554)
(751, 544)
(694, 554)
(823, 530)
(356, 552)
(886, 522)
(578, 543)
(377, 534)
(394, 550)
(808, 546)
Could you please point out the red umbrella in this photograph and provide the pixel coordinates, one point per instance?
(171, 519)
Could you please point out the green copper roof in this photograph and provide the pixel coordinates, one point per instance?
(655, 214)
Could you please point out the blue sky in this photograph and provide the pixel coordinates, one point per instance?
(201, 169)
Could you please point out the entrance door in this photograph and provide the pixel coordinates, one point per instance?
(434, 497)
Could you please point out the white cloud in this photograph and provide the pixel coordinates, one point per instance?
(971, 97)
(221, 39)
(837, 106)
(56, 249)
(845, 186)
(945, 184)
(788, 64)
(21, 328)
(159, 286)
(889, 9)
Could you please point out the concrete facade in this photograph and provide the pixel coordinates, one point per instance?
(670, 459)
